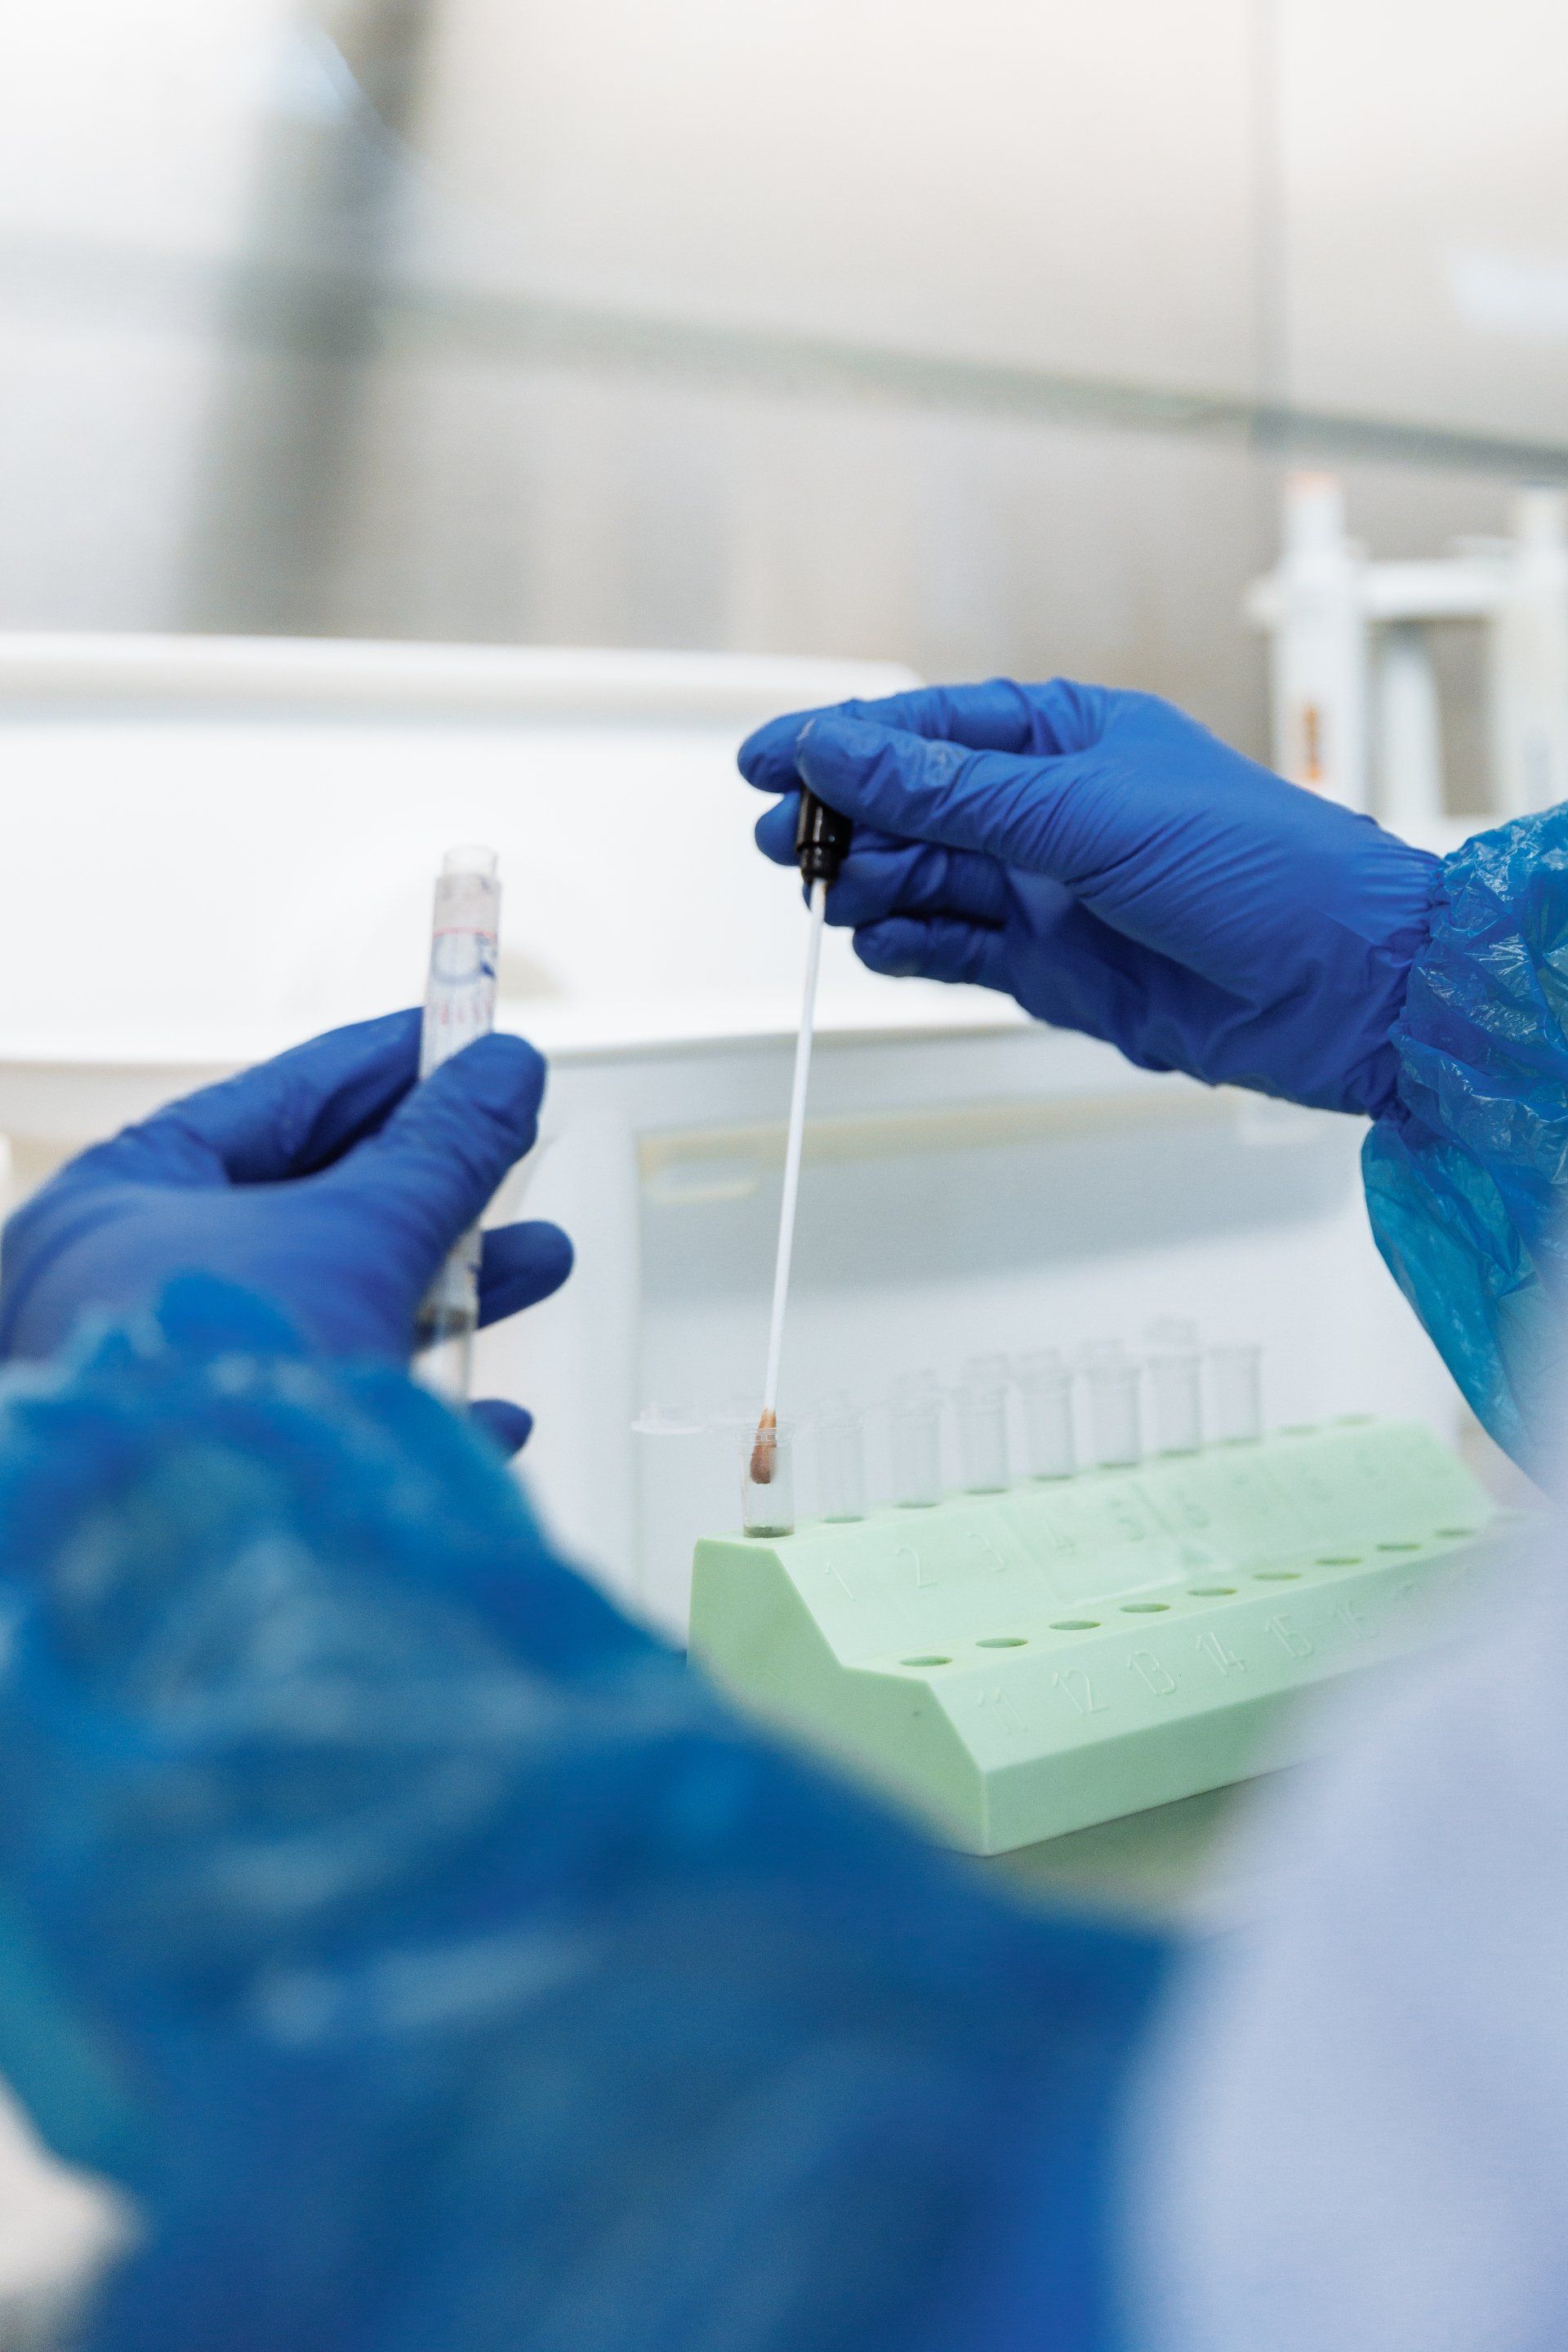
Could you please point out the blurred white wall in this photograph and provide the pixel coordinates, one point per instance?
(1425, 260)
(129, 139)
(497, 320)
(1047, 184)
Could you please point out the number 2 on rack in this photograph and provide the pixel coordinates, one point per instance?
(1079, 1690)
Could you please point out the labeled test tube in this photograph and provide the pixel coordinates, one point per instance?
(767, 1505)
(1236, 1394)
(1115, 1417)
(914, 1434)
(1175, 1386)
(1046, 1384)
(460, 1005)
(840, 1458)
(980, 1404)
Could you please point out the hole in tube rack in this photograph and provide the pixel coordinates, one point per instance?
(1353, 1420)
(1278, 1575)
(1454, 1533)
(1001, 1642)
(1210, 1591)
(933, 1661)
(1144, 1608)
(1300, 1429)
(1338, 1560)
(1076, 1625)
(1399, 1547)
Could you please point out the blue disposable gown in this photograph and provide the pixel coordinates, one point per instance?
(439, 1963)
(1467, 1174)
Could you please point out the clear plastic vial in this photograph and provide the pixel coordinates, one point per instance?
(1114, 1410)
(1046, 1384)
(460, 1005)
(914, 1436)
(767, 1504)
(981, 1402)
(840, 1458)
(1236, 1394)
(1175, 1388)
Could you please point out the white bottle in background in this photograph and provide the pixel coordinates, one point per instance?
(1409, 732)
(1528, 656)
(1314, 605)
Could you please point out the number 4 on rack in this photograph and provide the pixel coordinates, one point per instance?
(1210, 1646)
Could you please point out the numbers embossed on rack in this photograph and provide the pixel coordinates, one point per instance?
(1079, 1690)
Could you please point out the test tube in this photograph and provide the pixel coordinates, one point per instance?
(1235, 1390)
(1114, 1407)
(981, 1404)
(841, 1457)
(914, 1423)
(767, 1509)
(460, 1005)
(1045, 1380)
(1176, 1387)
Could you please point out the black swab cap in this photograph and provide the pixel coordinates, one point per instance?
(821, 840)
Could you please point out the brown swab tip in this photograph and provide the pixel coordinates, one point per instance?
(764, 1452)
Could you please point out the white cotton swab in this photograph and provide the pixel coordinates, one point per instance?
(764, 1452)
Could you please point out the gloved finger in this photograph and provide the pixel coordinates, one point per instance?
(289, 1116)
(881, 878)
(1023, 812)
(775, 831)
(442, 1154)
(997, 715)
(520, 1265)
(883, 874)
(907, 948)
(508, 1426)
(775, 834)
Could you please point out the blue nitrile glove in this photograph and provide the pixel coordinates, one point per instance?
(319, 1179)
(1118, 869)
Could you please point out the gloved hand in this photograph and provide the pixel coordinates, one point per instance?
(324, 1179)
(1116, 868)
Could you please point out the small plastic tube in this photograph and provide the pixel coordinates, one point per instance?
(460, 1006)
(1113, 1408)
(767, 1504)
(1176, 1387)
(840, 1458)
(1044, 1382)
(914, 1429)
(1236, 1394)
(980, 1401)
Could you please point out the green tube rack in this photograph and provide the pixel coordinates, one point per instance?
(1016, 1666)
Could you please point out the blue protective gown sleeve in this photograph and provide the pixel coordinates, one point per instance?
(439, 1963)
(1467, 1175)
